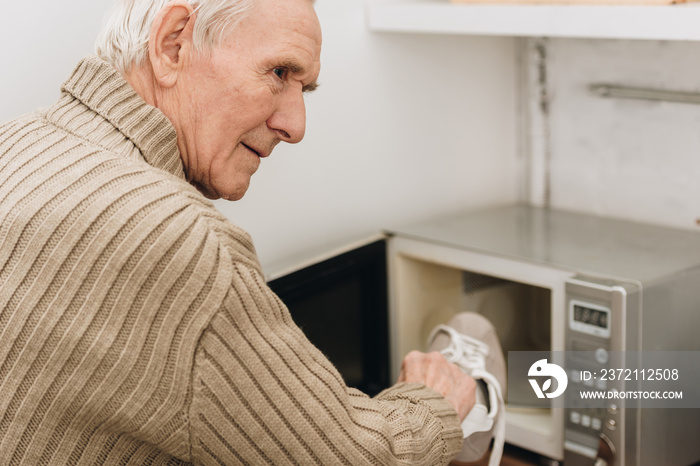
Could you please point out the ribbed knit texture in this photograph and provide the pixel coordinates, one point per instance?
(135, 323)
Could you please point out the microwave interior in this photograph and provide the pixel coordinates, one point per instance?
(428, 294)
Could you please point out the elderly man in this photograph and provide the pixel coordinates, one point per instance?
(135, 323)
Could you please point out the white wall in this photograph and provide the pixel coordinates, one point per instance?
(631, 159)
(42, 42)
(403, 126)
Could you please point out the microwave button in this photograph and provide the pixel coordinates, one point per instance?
(611, 424)
(612, 408)
(586, 421)
(602, 356)
(596, 423)
(575, 376)
(575, 417)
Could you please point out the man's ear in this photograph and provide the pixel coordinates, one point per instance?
(170, 43)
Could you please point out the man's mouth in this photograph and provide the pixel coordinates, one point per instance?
(251, 149)
(260, 152)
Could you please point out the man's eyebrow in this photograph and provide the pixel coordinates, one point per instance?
(294, 68)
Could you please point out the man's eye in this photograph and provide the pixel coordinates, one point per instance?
(280, 72)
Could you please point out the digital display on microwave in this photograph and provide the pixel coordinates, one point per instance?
(589, 318)
(596, 317)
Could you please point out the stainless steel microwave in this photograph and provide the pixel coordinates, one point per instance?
(527, 269)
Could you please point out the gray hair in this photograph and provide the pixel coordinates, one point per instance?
(123, 40)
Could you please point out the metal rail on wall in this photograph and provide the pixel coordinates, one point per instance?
(624, 92)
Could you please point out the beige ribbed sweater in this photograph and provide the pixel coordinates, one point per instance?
(135, 323)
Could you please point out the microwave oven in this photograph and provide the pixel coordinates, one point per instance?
(527, 269)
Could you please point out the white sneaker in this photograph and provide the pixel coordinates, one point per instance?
(470, 342)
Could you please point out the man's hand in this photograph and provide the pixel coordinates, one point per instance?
(433, 370)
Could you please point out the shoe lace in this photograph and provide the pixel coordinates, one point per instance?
(466, 352)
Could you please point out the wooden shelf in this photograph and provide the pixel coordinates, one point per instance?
(675, 22)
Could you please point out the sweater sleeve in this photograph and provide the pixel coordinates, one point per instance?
(263, 394)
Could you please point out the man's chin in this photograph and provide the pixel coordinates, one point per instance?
(230, 193)
(233, 197)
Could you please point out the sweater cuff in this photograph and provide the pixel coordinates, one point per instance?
(446, 422)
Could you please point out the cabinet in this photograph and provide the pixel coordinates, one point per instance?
(675, 22)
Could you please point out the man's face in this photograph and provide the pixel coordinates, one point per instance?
(235, 105)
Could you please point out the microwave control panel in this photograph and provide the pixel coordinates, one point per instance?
(596, 318)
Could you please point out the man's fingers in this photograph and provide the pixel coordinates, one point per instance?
(433, 370)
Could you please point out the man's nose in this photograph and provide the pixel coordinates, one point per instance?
(289, 120)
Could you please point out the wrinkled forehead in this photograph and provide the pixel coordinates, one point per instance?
(275, 24)
(297, 15)
(294, 11)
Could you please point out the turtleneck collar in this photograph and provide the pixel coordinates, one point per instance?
(104, 90)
